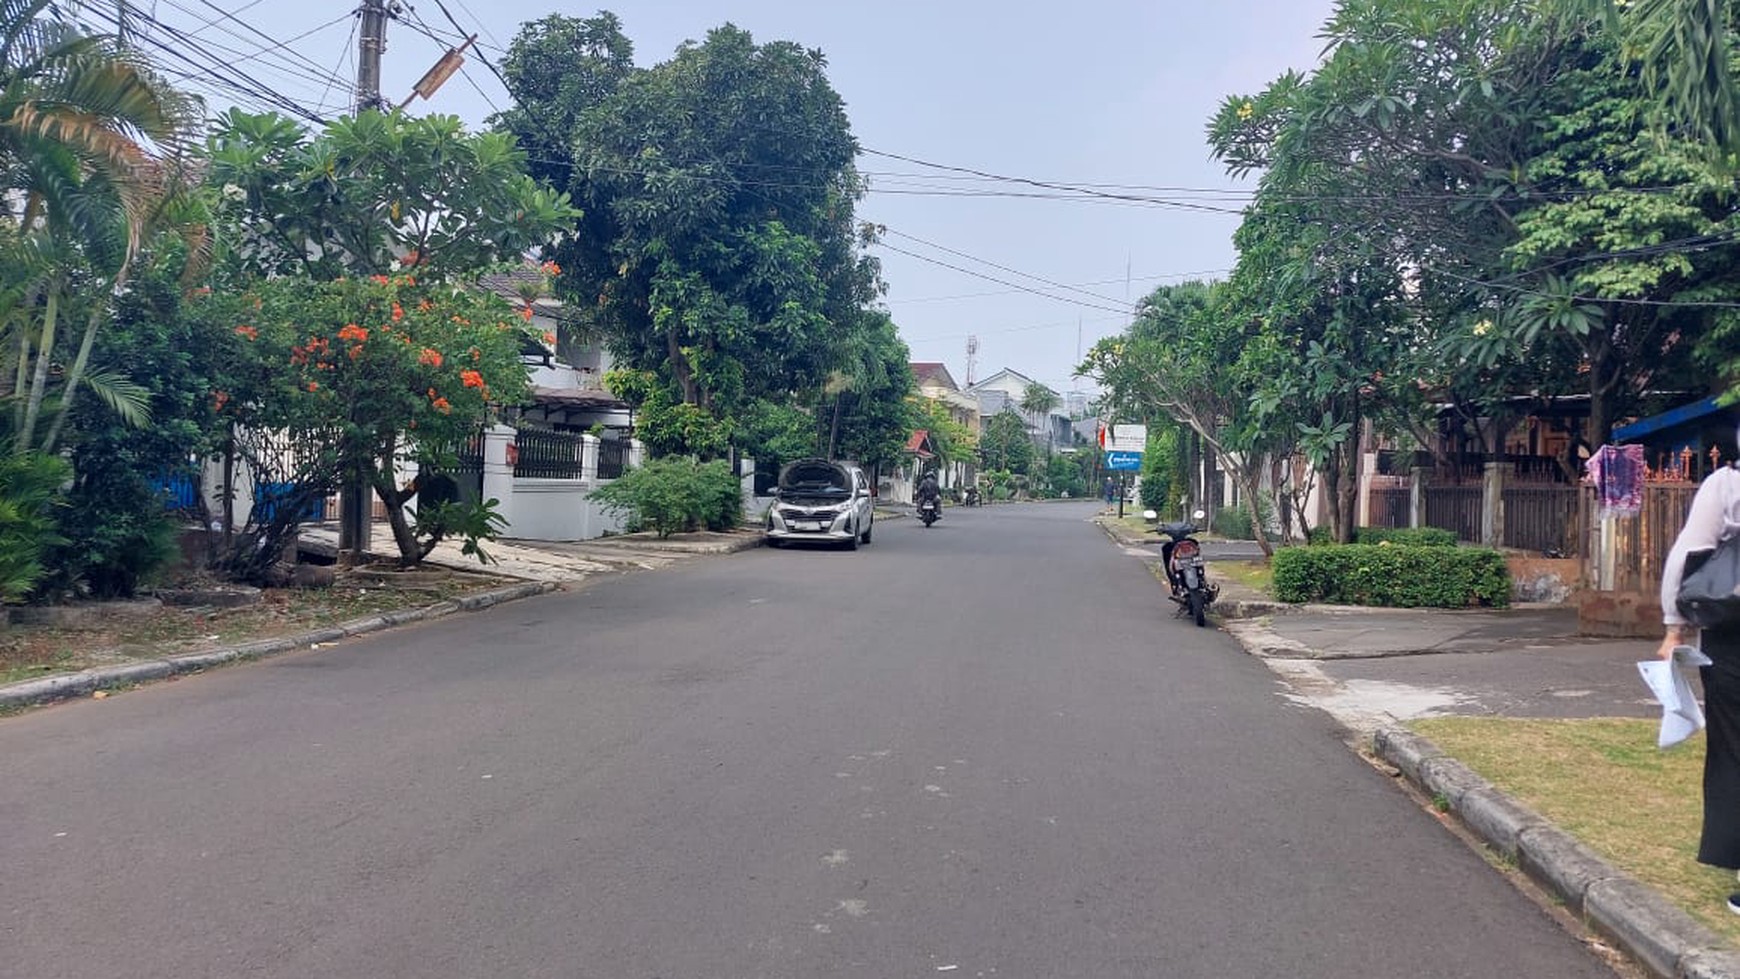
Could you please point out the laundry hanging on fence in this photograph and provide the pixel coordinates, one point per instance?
(1616, 472)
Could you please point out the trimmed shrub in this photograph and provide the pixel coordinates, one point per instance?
(1393, 575)
(1406, 536)
(1234, 523)
(1400, 536)
(676, 494)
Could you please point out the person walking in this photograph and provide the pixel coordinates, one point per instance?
(1714, 516)
(1110, 490)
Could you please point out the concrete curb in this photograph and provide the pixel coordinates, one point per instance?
(1665, 939)
(53, 688)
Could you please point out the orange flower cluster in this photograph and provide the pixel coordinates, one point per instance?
(353, 333)
(526, 313)
(379, 280)
(247, 331)
(318, 347)
(219, 399)
(398, 312)
(551, 268)
(549, 338)
(471, 379)
(429, 358)
(424, 305)
(313, 386)
(411, 258)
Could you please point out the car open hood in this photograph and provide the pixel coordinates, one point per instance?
(815, 479)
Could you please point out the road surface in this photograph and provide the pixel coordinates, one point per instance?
(981, 749)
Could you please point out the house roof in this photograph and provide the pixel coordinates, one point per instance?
(1007, 372)
(916, 444)
(1696, 411)
(507, 285)
(925, 370)
(545, 397)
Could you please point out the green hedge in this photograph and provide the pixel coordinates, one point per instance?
(1401, 536)
(1393, 575)
(675, 494)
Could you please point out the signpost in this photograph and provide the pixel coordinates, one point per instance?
(1123, 445)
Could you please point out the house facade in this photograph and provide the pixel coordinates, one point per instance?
(1004, 390)
(935, 383)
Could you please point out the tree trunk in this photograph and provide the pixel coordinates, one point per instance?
(1262, 533)
(39, 378)
(80, 362)
(680, 370)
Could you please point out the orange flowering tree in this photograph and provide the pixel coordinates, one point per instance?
(365, 373)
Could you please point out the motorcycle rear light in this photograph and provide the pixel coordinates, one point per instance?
(1185, 549)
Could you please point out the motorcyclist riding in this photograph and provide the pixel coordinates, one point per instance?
(928, 490)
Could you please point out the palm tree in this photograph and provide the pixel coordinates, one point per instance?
(1038, 401)
(91, 139)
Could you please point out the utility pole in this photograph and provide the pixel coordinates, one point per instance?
(371, 42)
(355, 495)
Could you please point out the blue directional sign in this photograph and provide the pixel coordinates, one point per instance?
(1124, 461)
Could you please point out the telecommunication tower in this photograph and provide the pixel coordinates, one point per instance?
(972, 360)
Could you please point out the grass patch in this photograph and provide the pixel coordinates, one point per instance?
(30, 652)
(1256, 575)
(1605, 782)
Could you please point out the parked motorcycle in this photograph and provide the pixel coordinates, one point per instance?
(930, 511)
(1186, 571)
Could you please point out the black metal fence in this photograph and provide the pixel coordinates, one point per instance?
(1455, 508)
(612, 459)
(1470, 466)
(1549, 519)
(545, 454)
(1390, 506)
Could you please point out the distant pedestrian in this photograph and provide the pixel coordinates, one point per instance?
(1111, 491)
(1715, 515)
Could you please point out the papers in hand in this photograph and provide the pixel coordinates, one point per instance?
(1680, 713)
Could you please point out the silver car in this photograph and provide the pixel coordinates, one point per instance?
(823, 502)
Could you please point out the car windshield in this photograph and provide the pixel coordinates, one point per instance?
(815, 479)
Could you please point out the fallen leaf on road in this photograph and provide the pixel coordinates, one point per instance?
(100, 695)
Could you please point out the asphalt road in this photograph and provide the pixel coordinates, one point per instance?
(981, 749)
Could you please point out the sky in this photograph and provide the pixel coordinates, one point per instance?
(1113, 93)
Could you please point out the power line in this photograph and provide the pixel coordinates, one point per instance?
(1526, 291)
(214, 67)
(275, 44)
(1001, 268)
(1099, 282)
(1002, 282)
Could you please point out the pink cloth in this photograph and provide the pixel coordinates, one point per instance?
(1617, 473)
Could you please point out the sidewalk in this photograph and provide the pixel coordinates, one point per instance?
(557, 561)
(537, 567)
(1373, 669)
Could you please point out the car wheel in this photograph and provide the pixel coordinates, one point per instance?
(866, 535)
(852, 541)
(773, 542)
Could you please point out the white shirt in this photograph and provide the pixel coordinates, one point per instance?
(1715, 515)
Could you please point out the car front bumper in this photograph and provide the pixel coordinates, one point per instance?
(823, 526)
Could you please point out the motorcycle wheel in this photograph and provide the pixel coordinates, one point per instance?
(1198, 607)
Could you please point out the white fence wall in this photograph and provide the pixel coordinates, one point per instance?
(557, 509)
